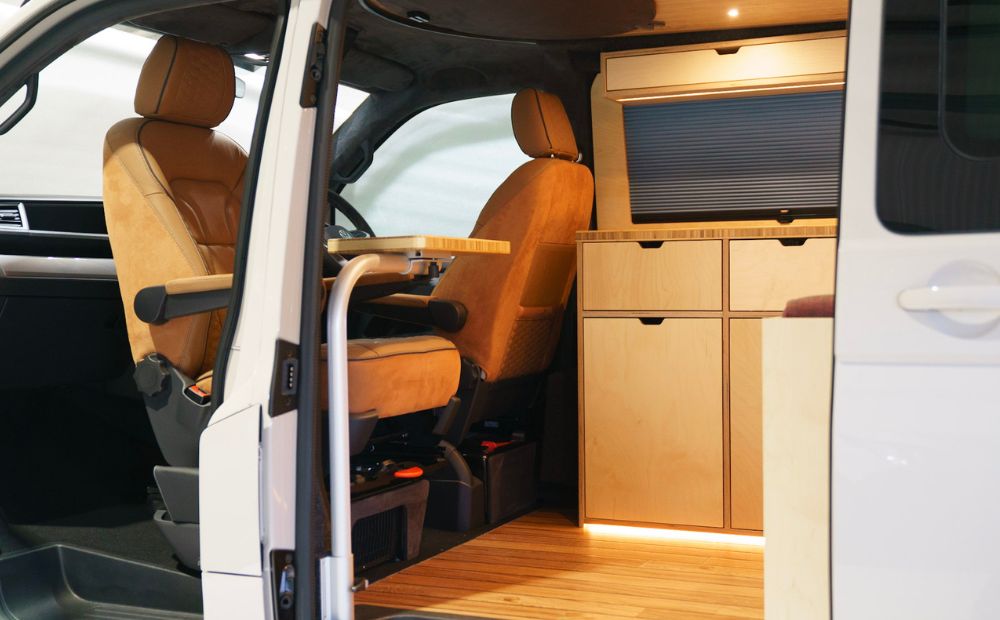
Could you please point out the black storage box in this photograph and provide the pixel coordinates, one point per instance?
(388, 525)
(509, 478)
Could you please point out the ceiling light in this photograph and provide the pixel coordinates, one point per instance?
(734, 12)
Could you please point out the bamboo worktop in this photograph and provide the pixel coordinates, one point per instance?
(418, 245)
(728, 230)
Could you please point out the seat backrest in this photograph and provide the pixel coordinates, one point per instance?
(172, 193)
(516, 302)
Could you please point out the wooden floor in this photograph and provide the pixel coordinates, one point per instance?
(543, 566)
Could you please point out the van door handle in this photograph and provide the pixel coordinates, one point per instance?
(983, 298)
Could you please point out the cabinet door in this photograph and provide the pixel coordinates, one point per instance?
(745, 453)
(653, 420)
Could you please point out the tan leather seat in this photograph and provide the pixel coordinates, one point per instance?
(394, 376)
(516, 302)
(374, 364)
(172, 196)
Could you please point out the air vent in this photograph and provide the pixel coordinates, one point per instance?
(12, 215)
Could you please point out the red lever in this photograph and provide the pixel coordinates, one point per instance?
(490, 446)
(409, 472)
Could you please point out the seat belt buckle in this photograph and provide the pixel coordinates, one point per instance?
(197, 395)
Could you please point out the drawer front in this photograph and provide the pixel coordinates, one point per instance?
(764, 274)
(652, 430)
(673, 275)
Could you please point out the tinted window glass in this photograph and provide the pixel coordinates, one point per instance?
(939, 125)
(972, 78)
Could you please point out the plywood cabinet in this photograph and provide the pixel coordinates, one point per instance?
(670, 367)
(654, 420)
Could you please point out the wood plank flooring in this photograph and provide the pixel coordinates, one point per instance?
(543, 566)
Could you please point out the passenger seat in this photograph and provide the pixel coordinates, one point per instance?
(173, 190)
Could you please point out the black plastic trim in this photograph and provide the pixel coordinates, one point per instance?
(59, 244)
(310, 524)
(444, 314)
(155, 306)
(284, 593)
(75, 288)
(285, 374)
(30, 97)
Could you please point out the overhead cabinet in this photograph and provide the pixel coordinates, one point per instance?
(736, 65)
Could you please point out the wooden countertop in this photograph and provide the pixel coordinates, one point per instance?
(730, 230)
(418, 246)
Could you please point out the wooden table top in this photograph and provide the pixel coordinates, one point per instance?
(418, 246)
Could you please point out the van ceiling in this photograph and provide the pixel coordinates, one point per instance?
(240, 27)
(388, 50)
(554, 20)
(522, 19)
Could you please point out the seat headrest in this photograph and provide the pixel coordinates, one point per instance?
(541, 126)
(186, 82)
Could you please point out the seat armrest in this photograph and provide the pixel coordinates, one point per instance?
(183, 297)
(444, 314)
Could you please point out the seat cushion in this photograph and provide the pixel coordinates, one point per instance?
(394, 376)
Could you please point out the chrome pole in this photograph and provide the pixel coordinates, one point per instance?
(337, 569)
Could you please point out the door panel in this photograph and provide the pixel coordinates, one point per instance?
(915, 430)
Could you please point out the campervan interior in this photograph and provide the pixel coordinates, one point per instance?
(568, 419)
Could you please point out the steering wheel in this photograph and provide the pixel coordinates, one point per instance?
(333, 264)
(339, 203)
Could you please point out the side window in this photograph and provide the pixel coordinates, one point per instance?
(939, 125)
(435, 173)
(56, 150)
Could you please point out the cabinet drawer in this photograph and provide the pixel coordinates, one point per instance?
(764, 273)
(673, 275)
(653, 420)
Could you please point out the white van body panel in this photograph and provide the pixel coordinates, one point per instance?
(233, 596)
(270, 311)
(915, 424)
(229, 494)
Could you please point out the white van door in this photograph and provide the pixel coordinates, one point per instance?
(916, 419)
